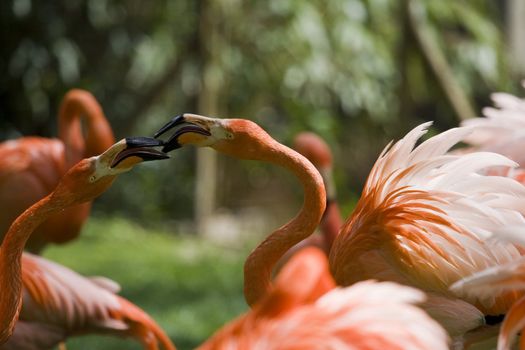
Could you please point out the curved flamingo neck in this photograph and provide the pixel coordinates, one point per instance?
(11, 262)
(99, 136)
(259, 265)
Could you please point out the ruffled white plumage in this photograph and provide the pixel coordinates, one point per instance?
(494, 280)
(367, 315)
(502, 130)
(500, 279)
(439, 208)
(476, 204)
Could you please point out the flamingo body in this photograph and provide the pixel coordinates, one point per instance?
(301, 313)
(59, 303)
(421, 220)
(30, 168)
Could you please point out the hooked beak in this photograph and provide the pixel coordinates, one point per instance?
(182, 126)
(141, 147)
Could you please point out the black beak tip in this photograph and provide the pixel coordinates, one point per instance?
(170, 146)
(142, 147)
(141, 141)
(173, 122)
(156, 156)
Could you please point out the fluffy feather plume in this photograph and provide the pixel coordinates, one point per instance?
(424, 214)
(502, 130)
(505, 277)
(502, 124)
(367, 315)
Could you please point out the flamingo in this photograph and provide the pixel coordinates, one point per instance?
(419, 222)
(315, 149)
(304, 311)
(43, 302)
(30, 167)
(245, 139)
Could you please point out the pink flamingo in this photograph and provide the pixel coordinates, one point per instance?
(30, 168)
(315, 149)
(420, 220)
(43, 302)
(304, 311)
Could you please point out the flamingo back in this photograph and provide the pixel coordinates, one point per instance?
(298, 315)
(56, 295)
(423, 215)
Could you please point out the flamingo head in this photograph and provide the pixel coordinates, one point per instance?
(314, 148)
(240, 138)
(92, 176)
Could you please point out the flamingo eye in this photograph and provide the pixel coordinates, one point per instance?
(229, 136)
(92, 178)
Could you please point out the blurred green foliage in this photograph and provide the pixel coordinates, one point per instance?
(188, 285)
(349, 70)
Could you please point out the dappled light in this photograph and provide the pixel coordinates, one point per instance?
(410, 121)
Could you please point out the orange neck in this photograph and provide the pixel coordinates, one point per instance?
(260, 263)
(11, 262)
(99, 136)
(331, 223)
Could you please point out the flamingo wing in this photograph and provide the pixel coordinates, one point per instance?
(55, 294)
(493, 281)
(509, 278)
(368, 315)
(423, 215)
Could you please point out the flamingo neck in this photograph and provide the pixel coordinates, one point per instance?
(77, 105)
(331, 223)
(11, 262)
(259, 265)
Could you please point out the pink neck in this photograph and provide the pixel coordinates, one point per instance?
(99, 136)
(11, 261)
(260, 263)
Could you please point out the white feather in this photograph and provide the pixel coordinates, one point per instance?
(475, 204)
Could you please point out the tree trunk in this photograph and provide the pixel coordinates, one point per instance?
(208, 104)
(516, 34)
(437, 61)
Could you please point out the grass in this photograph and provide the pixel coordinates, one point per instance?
(189, 286)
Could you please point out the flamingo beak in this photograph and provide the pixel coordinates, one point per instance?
(141, 147)
(182, 126)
